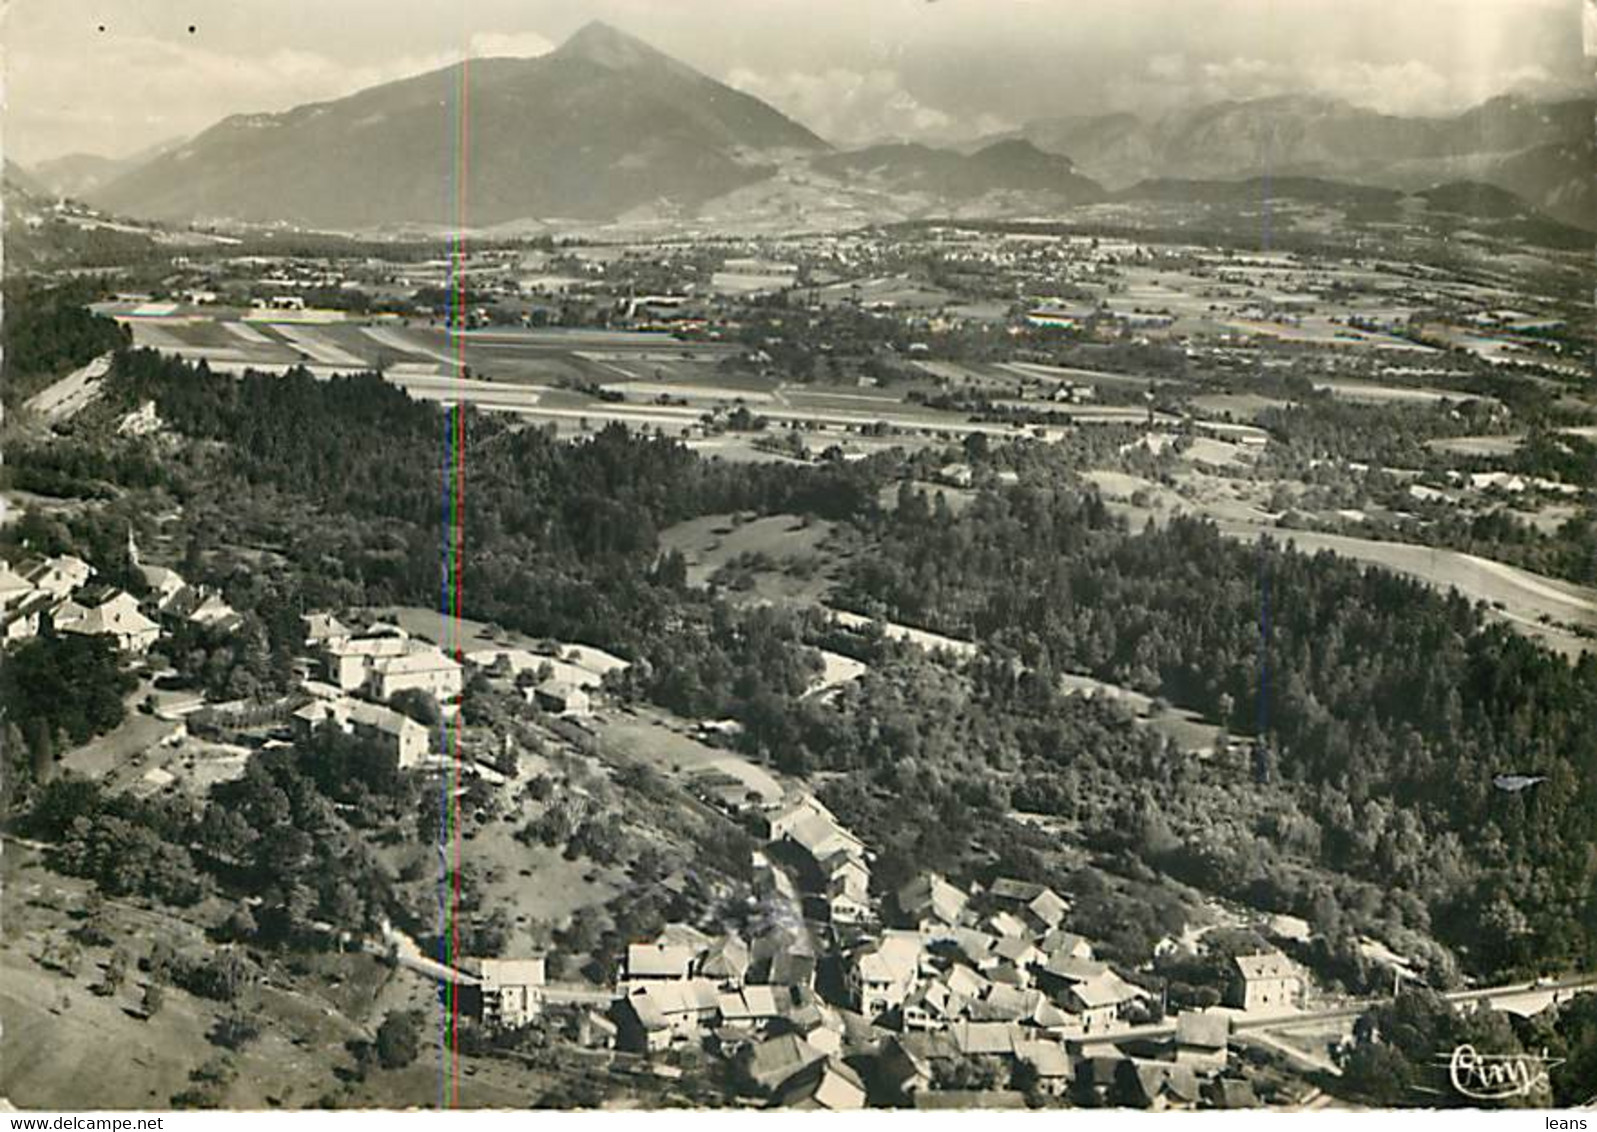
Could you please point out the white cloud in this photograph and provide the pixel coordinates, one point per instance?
(850, 107)
(1410, 87)
(520, 45)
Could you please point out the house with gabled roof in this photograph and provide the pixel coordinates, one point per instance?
(1201, 1040)
(904, 1065)
(781, 821)
(1049, 1064)
(1047, 910)
(14, 588)
(1232, 1093)
(1063, 970)
(507, 993)
(1019, 953)
(22, 621)
(1004, 1003)
(726, 961)
(814, 1021)
(57, 576)
(1156, 1085)
(1005, 925)
(847, 886)
(1267, 981)
(201, 605)
(771, 1063)
(991, 1039)
(161, 585)
(1098, 1002)
(929, 902)
(963, 980)
(323, 628)
(1042, 908)
(825, 1086)
(595, 1030)
(753, 1007)
(663, 1014)
(973, 947)
(881, 975)
(107, 611)
(657, 962)
(820, 836)
(347, 661)
(421, 667)
(1066, 944)
(396, 732)
(932, 1006)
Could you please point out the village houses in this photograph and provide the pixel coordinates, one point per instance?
(107, 611)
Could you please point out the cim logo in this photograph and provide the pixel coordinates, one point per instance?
(1497, 1076)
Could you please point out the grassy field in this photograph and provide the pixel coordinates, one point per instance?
(651, 736)
(112, 751)
(1375, 393)
(535, 884)
(1477, 445)
(1237, 406)
(806, 562)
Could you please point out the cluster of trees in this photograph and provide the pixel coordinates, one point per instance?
(57, 691)
(49, 332)
(81, 471)
(1401, 1047)
(1557, 455)
(240, 661)
(1325, 427)
(284, 830)
(59, 243)
(279, 831)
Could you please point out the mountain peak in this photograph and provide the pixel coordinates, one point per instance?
(608, 46)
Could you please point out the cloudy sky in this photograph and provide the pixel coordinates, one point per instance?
(115, 76)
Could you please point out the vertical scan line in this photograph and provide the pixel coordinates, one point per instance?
(445, 989)
(457, 418)
(1266, 242)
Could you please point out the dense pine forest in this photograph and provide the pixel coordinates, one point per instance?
(1390, 708)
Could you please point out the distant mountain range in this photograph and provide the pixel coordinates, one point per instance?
(607, 127)
(78, 175)
(18, 179)
(1542, 151)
